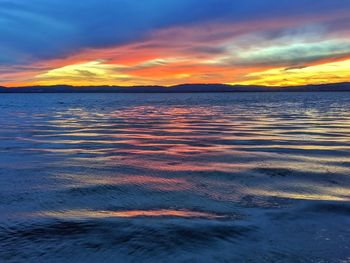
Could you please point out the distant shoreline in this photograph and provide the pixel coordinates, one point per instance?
(184, 88)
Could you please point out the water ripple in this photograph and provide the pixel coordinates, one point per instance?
(111, 159)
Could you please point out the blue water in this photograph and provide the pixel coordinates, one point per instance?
(255, 177)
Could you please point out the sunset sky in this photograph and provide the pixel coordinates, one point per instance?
(167, 42)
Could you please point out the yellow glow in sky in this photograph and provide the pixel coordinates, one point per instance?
(324, 73)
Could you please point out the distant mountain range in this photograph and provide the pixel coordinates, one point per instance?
(184, 88)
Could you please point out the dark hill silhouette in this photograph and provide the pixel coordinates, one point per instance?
(183, 88)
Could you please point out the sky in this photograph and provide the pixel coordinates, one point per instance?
(168, 42)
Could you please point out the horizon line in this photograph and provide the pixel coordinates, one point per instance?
(176, 85)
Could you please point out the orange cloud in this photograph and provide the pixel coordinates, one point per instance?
(206, 53)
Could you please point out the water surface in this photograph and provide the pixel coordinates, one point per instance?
(256, 177)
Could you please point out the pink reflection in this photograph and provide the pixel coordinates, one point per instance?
(130, 214)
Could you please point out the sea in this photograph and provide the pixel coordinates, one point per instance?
(195, 177)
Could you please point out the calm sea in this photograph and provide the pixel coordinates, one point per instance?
(247, 177)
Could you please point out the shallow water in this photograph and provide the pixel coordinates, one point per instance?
(256, 177)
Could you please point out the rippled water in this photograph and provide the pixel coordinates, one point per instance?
(257, 177)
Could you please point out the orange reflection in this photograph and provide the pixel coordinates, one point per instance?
(131, 214)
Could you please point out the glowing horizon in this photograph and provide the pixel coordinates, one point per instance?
(124, 43)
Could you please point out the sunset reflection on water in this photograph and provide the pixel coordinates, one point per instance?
(146, 152)
(149, 176)
(130, 214)
(165, 147)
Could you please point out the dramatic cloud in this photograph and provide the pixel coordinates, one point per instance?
(167, 42)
